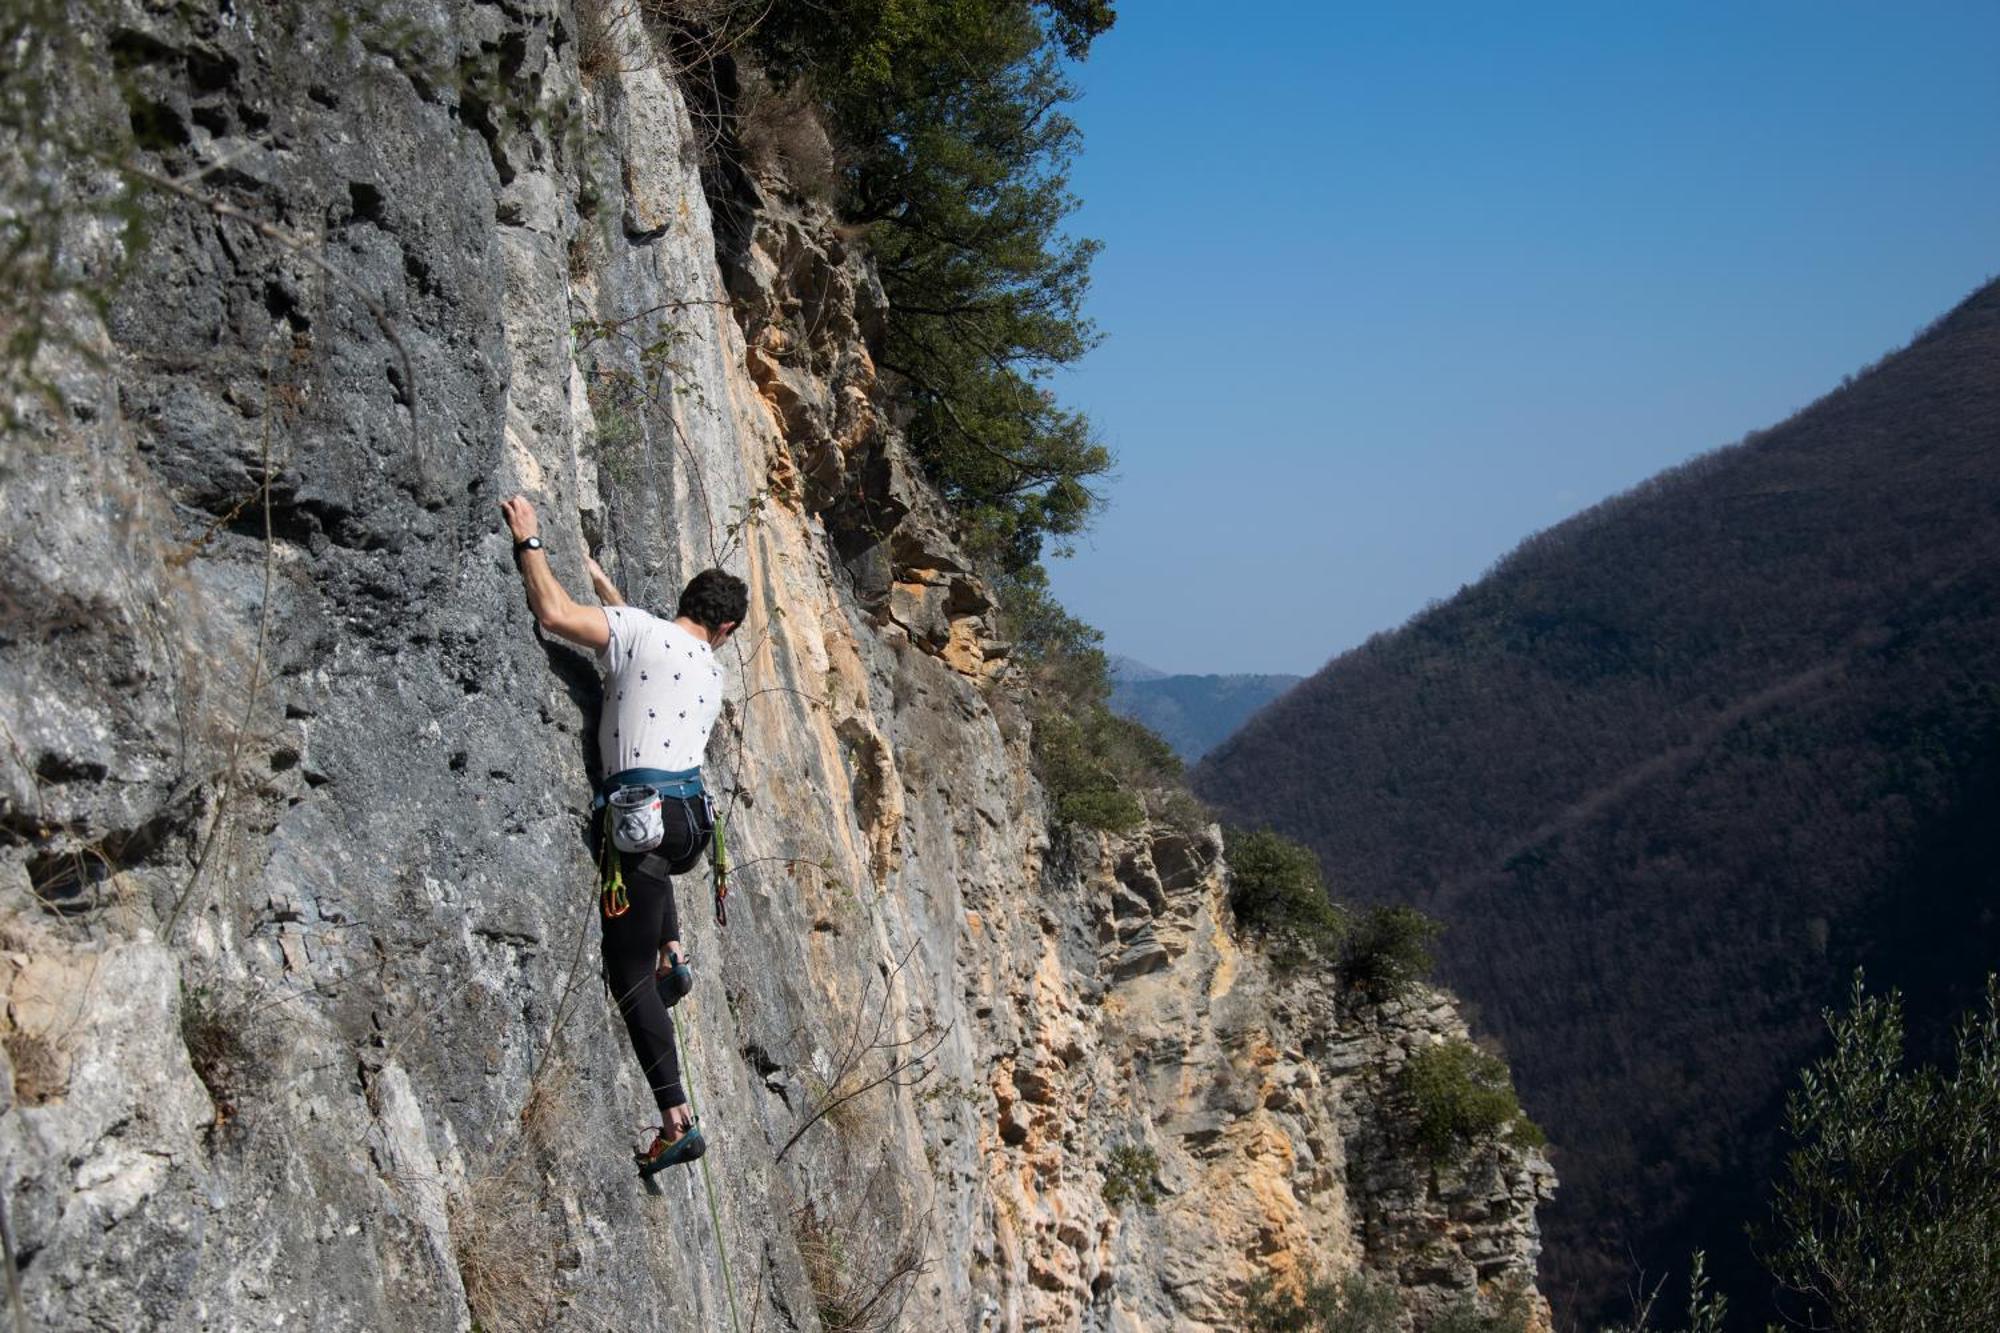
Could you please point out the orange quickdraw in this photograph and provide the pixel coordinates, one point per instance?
(611, 894)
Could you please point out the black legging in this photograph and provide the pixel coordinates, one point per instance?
(632, 942)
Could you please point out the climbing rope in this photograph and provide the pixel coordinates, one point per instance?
(707, 1180)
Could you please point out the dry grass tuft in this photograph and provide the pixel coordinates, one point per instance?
(549, 1112)
(500, 1228)
(215, 1034)
(861, 1275)
(506, 1252)
(41, 1073)
(598, 22)
(782, 134)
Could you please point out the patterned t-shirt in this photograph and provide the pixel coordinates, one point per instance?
(662, 694)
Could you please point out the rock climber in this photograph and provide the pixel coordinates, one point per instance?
(662, 694)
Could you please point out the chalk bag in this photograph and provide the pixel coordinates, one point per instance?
(636, 823)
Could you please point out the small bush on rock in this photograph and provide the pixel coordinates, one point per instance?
(1510, 1315)
(1276, 890)
(1459, 1096)
(1129, 1176)
(1353, 1304)
(1388, 951)
(1099, 768)
(861, 1277)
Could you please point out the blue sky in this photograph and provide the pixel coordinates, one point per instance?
(1385, 289)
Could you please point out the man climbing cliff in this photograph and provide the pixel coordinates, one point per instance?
(662, 694)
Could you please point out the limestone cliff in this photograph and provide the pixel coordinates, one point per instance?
(302, 1019)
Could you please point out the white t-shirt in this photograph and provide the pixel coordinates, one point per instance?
(662, 694)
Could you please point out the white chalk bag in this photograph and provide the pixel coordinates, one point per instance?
(636, 824)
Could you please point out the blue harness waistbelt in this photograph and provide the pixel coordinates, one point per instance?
(684, 782)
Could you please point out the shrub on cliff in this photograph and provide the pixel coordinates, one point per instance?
(1101, 771)
(1131, 1175)
(1509, 1312)
(1275, 889)
(1356, 1303)
(1458, 1096)
(1388, 951)
(1106, 772)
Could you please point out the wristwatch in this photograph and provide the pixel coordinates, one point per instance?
(527, 544)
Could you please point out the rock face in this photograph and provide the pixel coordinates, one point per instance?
(303, 1024)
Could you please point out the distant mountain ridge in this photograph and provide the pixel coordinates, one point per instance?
(1193, 714)
(1670, 772)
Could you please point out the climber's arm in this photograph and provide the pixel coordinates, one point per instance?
(601, 584)
(554, 611)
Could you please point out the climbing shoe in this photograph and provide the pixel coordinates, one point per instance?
(663, 1154)
(676, 983)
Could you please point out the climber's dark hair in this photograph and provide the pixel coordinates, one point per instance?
(713, 599)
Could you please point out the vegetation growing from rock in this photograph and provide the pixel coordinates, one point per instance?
(1508, 1315)
(860, 1281)
(1101, 771)
(1276, 890)
(1355, 1303)
(1388, 950)
(1130, 1176)
(1458, 1096)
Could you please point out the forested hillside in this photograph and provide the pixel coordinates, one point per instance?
(1671, 771)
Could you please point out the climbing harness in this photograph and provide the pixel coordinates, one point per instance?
(629, 804)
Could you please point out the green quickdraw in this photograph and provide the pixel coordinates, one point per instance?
(611, 894)
(718, 858)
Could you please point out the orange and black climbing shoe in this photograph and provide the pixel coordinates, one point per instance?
(675, 1152)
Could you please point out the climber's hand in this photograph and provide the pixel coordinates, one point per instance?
(521, 520)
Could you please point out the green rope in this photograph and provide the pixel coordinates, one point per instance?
(708, 1181)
